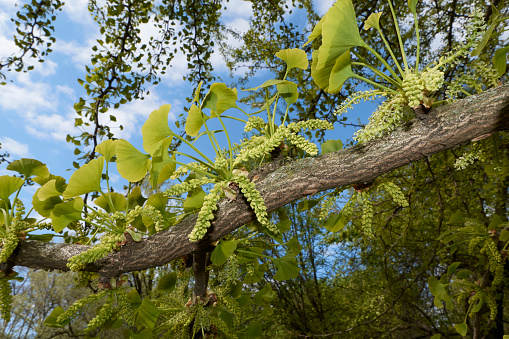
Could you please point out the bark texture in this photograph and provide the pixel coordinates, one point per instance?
(282, 182)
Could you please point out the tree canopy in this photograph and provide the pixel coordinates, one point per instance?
(404, 232)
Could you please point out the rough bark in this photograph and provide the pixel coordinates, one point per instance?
(281, 182)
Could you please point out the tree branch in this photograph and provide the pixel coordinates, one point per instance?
(281, 183)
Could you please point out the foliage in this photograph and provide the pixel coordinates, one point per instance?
(278, 266)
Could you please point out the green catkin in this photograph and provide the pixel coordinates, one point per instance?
(104, 314)
(206, 213)
(107, 244)
(79, 304)
(124, 307)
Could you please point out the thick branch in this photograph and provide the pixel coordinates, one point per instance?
(449, 126)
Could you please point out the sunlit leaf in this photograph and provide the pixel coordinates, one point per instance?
(167, 282)
(284, 225)
(108, 148)
(331, 146)
(307, 204)
(40, 237)
(60, 183)
(220, 98)
(437, 288)
(288, 91)
(317, 30)
(86, 179)
(194, 200)
(132, 165)
(49, 190)
(9, 185)
(456, 217)
(453, 267)
(135, 198)
(65, 213)
(162, 166)
(118, 200)
(294, 245)
(156, 131)
(373, 20)
(341, 72)
(436, 336)
(194, 120)
(44, 207)
(484, 41)
(294, 58)
(29, 168)
(339, 33)
(223, 251)
(267, 83)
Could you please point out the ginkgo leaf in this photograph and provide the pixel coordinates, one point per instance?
(60, 182)
(162, 167)
(287, 267)
(219, 98)
(223, 251)
(194, 200)
(9, 185)
(339, 33)
(167, 282)
(147, 314)
(462, 328)
(108, 148)
(294, 58)
(86, 179)
(65, 213)
(267, 83)
(321, 76)
(331, 146)
(118, 200)
(500, 60)
(341, 72)
(317, 30)
(132, 165)
(373, 20)
(48, 190)
(288, 91)
(194, 121)
(412, 5)
(156, 131)
(44, 207)
(29, 168)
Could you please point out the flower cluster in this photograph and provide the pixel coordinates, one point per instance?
(79, 304)
(5, 299)
(104, 314)
(108, 243)
(397, 195)
(206, 213)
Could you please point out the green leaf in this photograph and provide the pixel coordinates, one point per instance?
(51, 320)
(220, 98)
(495, 221)
(9, 185)
(307, 204)
(223, 251)
(162, 166)
(60, 182)
(228, 318)
(236, 289)
(254, 331)
(44, 207)
(119, 202)
(156, 132)
(284, 225)
(339, 33)
(29, 168)
(49, 190)
(86, 179)
(147, 314)
(504, 235)
(194, 200)
(134, 299)
(197, 93)
(500, 60)
(341, 72)
(412, 5)
(65, 213)
(331, 146)
(287, 267)
(373, 20)
(456, 218)
(437, 288)
(132, 165)
(194, 121)
(270, 82)
(167, 282)
(462, 328)
(135, 198)
(317, 30)
(108, 148)
(336, 222)
(288, 91)
(294, 58)
(477, 307)
(463, 274)
(294, 245)
(436, 336)
(452, 268)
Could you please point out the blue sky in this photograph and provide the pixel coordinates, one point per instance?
(36, 108)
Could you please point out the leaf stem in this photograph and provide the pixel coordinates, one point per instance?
(398, 33)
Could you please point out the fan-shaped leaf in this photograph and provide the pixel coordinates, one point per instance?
(29, 168)
(373, 20)
(341, 72)
(287, 268)
(48, 190)
(500, 60)
(156, 131)
(86, 179)
(288, 91)
(194, 121)
(412, 5)
(131, 163)
(220, 98)
(331, 146)
(119, 202)
(65, 213)
(223, 251)
(294, 58)
(462, 328)
(194, 200)
(108, 148)
(9, 185)
(167, 282)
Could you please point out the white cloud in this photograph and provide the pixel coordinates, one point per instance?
(77, 10)
(14, 148)
(322, 6)
(79, 53)
(238, 8)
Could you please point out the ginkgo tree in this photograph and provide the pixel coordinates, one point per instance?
(240, 184)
